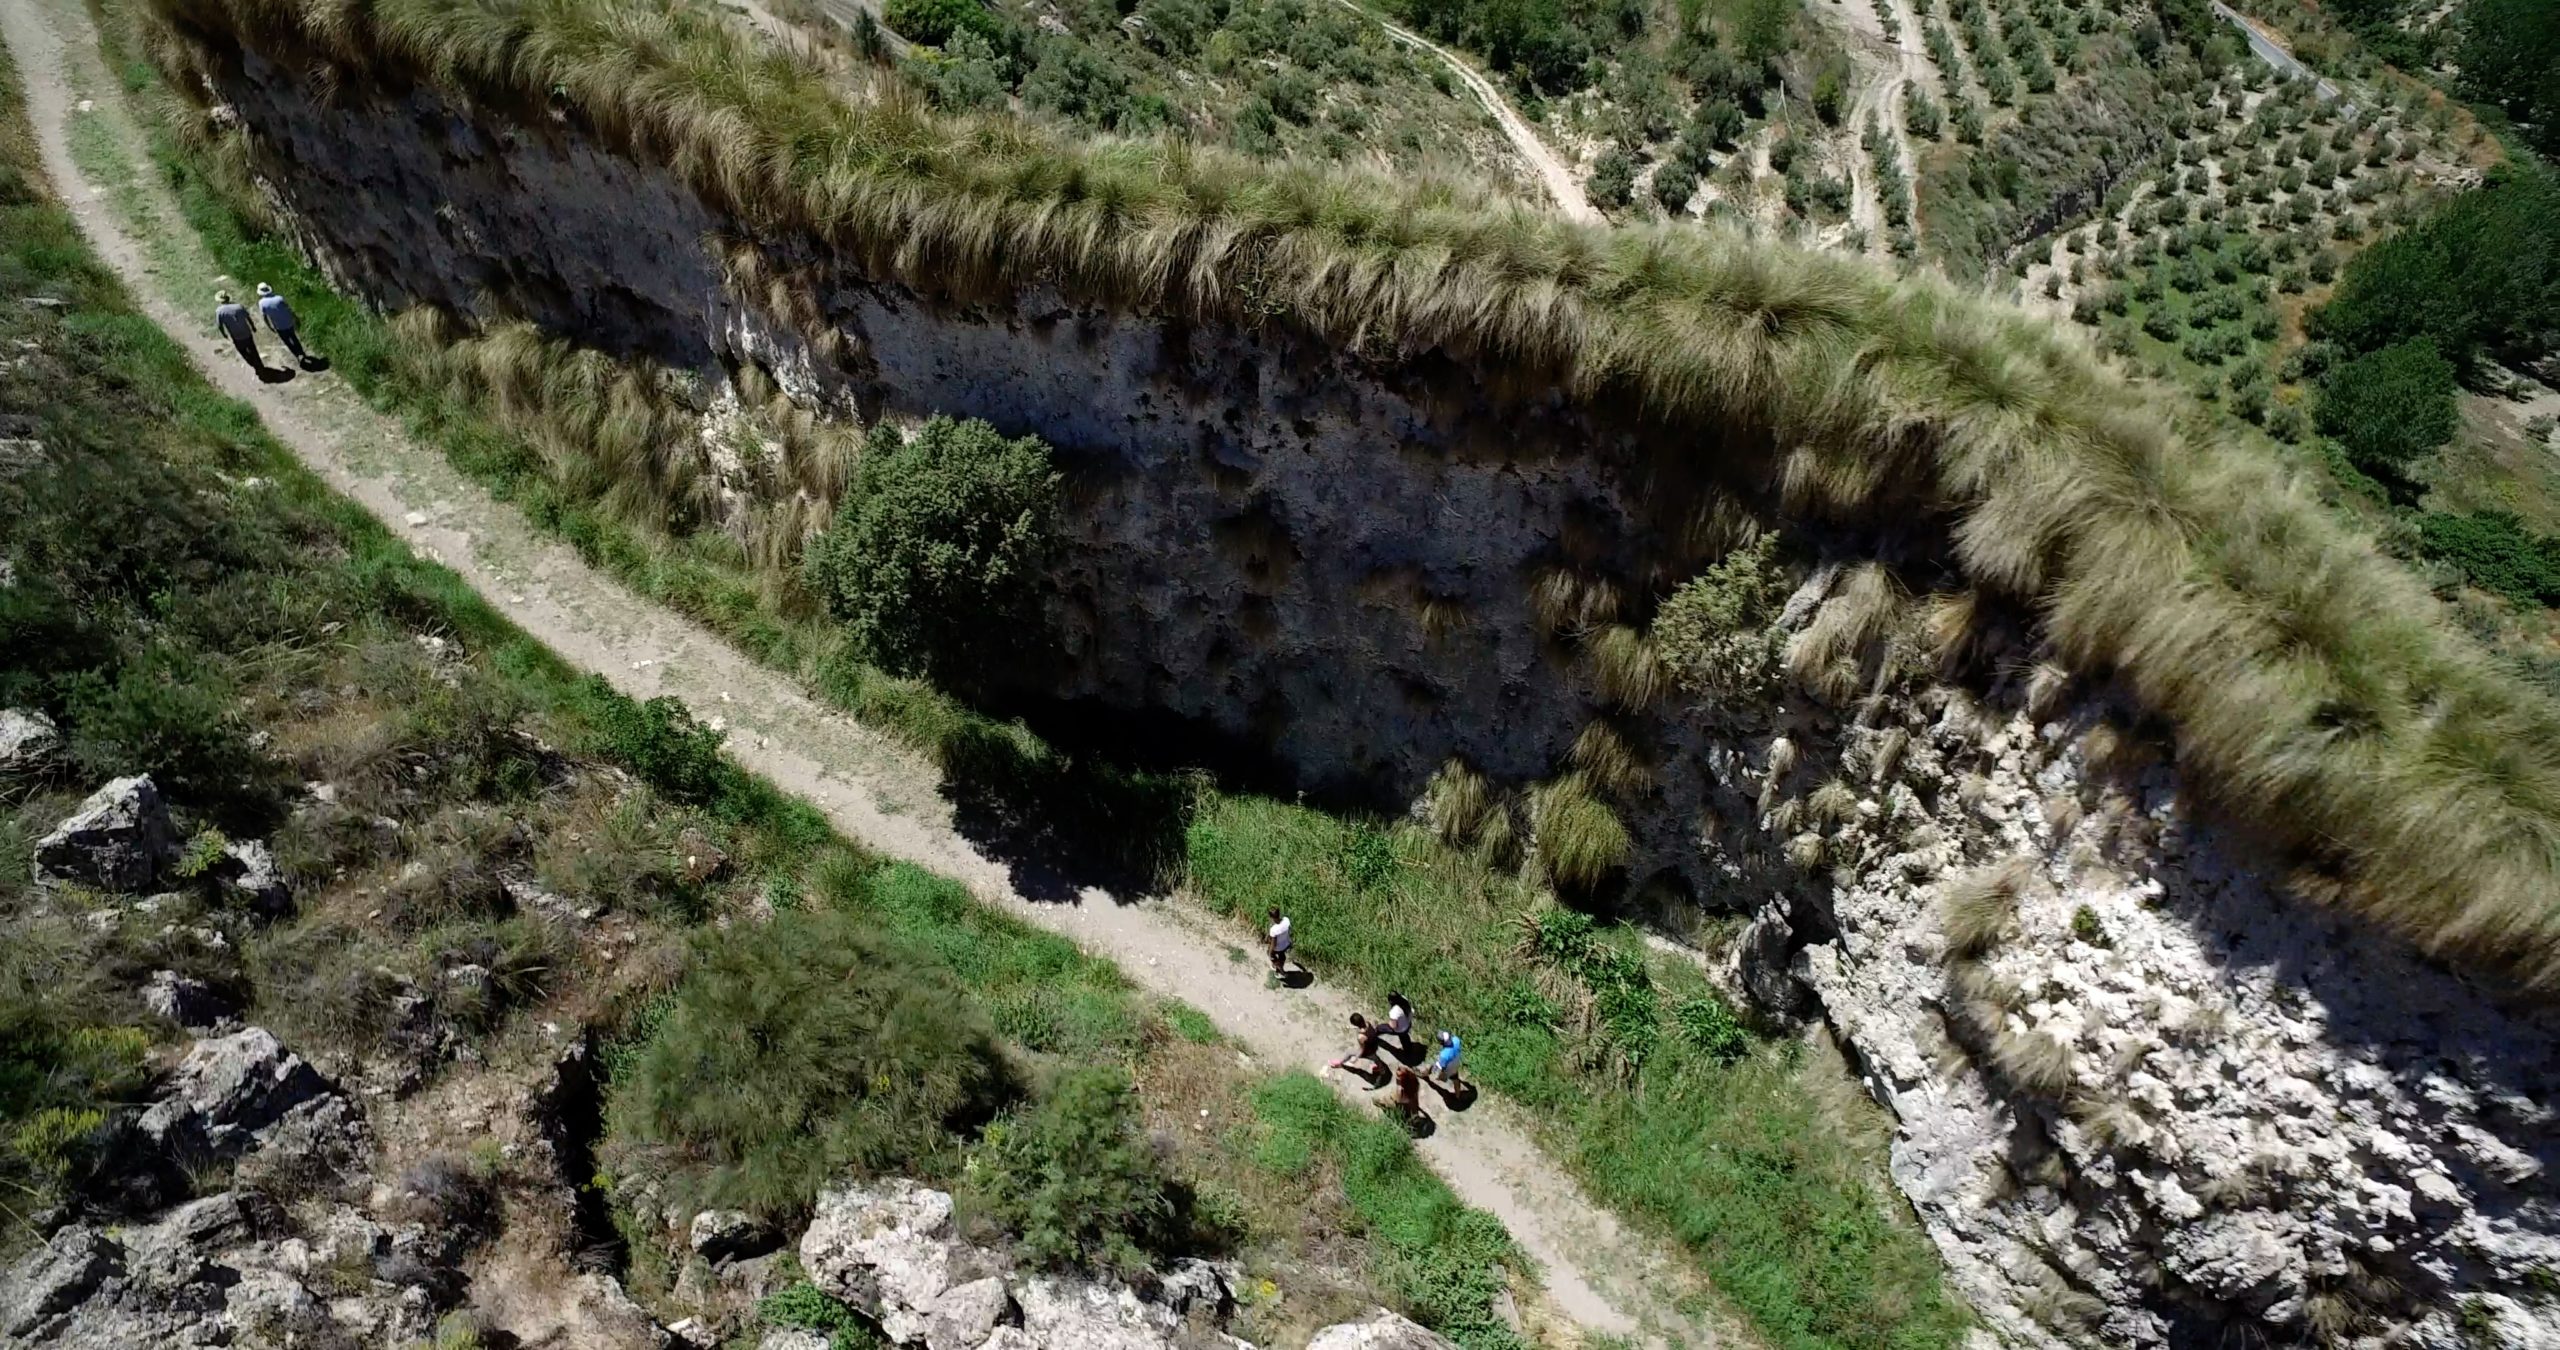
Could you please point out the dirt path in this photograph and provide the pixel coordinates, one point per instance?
(1598, 1273)
(1561, 182)
(1886, 66)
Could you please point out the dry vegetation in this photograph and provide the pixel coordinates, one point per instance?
(2315, 689)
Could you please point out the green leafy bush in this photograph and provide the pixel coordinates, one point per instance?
(933, 22)
(809, 1308)
(1074, 1176)
(2496, 552)
(2388, 407)
(1718, 632)
(792, 1052)
(2479, 275)
(936, 556)
(1707, 1023)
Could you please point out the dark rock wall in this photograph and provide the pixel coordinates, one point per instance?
(1259, 518)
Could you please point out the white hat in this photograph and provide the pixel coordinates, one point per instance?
(222, 297)
(265, 289)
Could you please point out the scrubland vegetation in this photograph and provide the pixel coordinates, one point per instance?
(478, 840)
(1268, 77)
(2068, 486)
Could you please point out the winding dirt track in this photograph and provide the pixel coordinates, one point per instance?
(1599, 1274)
(1558, 176)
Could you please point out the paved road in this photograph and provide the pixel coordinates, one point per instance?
(2274, 54)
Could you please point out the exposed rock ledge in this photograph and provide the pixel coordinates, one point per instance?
(887, 1249)
(2162, 1096)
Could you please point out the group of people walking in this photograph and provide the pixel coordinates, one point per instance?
(232, 317)
(1371, 1034)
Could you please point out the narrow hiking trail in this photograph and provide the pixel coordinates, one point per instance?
(1598, 1272)
(1561, 183)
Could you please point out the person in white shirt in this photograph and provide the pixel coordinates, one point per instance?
(1278, 939)
(1399, 1020)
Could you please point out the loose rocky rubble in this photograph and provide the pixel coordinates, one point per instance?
(2170, 1101)
(888, 1250)
(29, 743)
(287, 1255)
(121, 839)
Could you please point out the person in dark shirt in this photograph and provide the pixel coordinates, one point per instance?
(279, 317)
(233, 319)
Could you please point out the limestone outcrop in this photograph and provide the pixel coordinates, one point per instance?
(121, 839)
(888, 1249)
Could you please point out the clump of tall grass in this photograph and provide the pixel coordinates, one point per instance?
(641, 441)
(2317, 694)
(1976, 908)
(1573, 835)
(1454, 803)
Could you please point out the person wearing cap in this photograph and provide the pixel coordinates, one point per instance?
(233, 320)
(279, 317)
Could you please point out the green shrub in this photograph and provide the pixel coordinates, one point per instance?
(1074, 1176)
(2387, 408)
(792, 1052)
(1613, 180)
(809, 1308)
(663, 744)
(1707, 1023)
(1718, 632)
(936, 556)
(933, 22)
(2496, 552)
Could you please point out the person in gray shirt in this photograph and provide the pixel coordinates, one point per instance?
(233, 319)
(279, 316)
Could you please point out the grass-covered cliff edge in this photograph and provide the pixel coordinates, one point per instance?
(2311, 688)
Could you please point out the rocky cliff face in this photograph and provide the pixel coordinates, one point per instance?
(2146, 1097)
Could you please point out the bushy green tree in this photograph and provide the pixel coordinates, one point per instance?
(794, 1051)
(2387, 408)
(2510, 56)
(934, 21)
(1074, 1176)
(2479, 276)
(1613, 179)
(936, 556)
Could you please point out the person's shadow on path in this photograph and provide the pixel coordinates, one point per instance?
(1456, 1096)
(1295, 977)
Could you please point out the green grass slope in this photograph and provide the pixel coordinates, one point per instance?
(2314, 688)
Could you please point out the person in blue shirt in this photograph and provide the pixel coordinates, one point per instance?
(1444, 1065)
(280, 319)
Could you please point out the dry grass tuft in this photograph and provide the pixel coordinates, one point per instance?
(1976, 908)
(1885, 755)
(2036, 1061)
(2047, 685)
(1845, 649)
(1613, 767)
(1455, 803)
(2318, 692)
(1570, 605)
(1575, 838)
(1782, 757)
(1631, 673)
(1833, 803)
